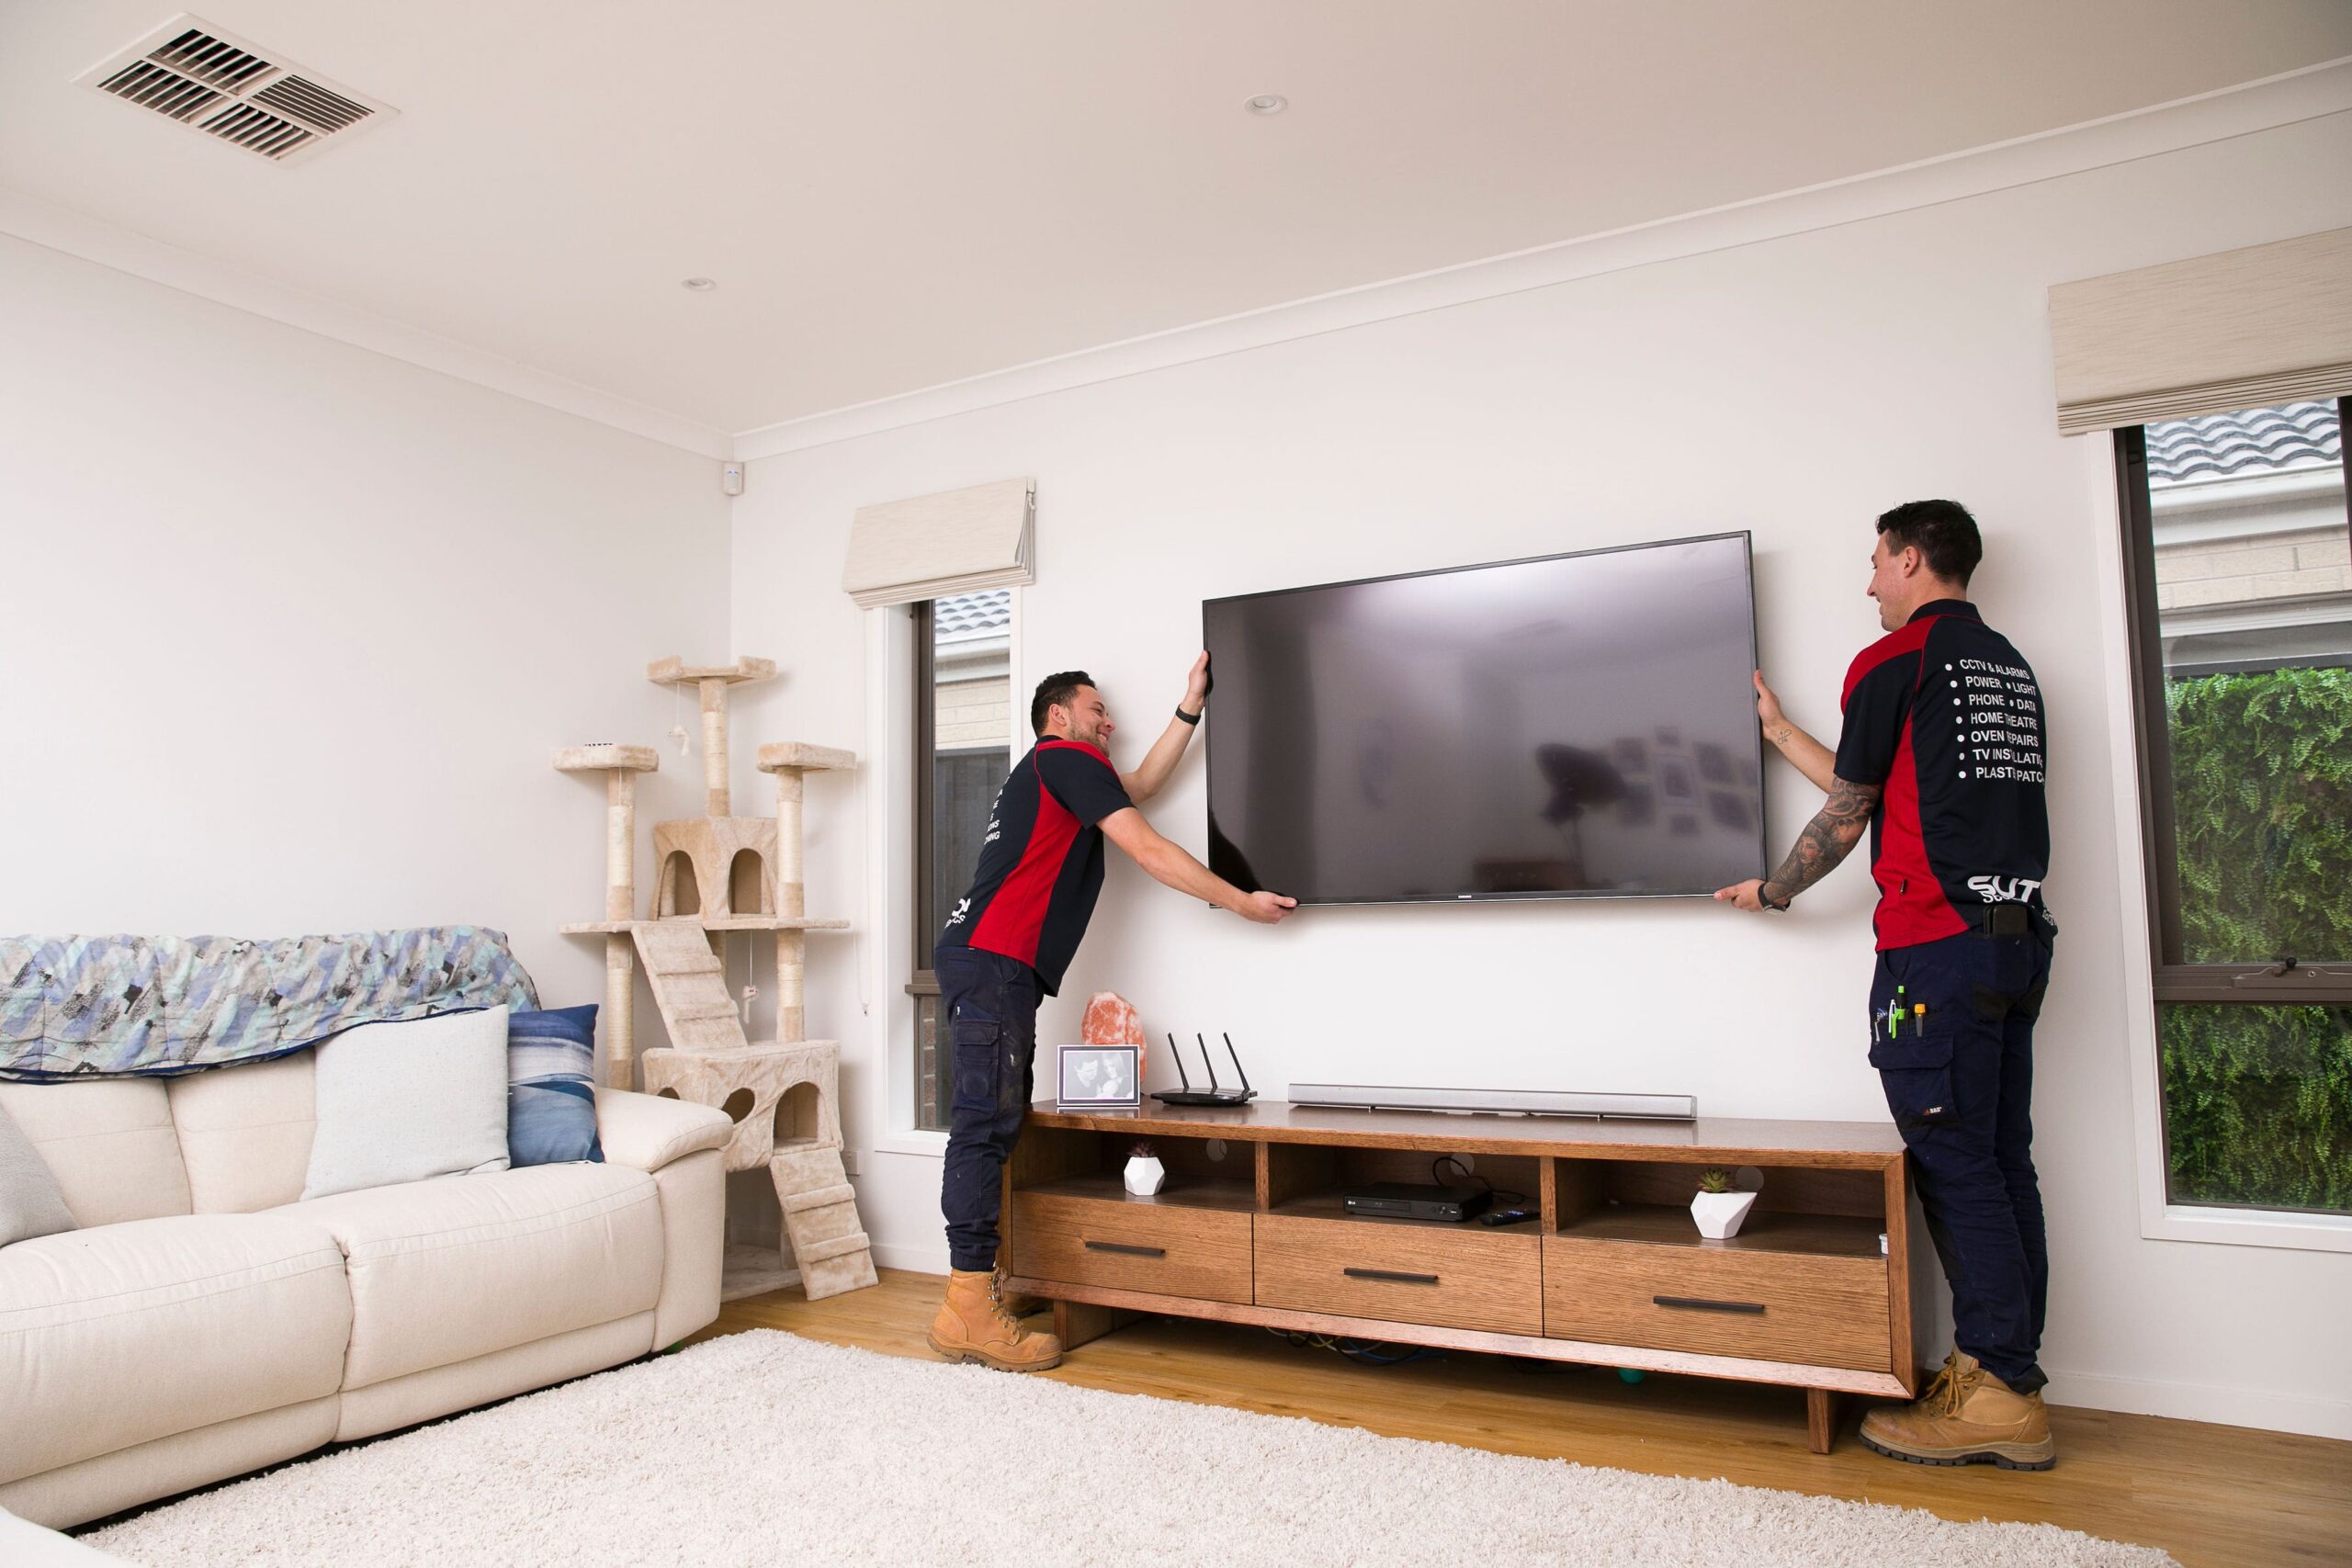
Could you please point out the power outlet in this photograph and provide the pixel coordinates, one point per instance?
(849, 1162)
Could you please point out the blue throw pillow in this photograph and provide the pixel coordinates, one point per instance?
(550, 1087)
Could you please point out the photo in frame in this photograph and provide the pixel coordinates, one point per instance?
(1098, 1077)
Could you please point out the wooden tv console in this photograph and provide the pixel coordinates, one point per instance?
(1250, 1228)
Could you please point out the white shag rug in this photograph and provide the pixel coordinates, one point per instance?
(764, 1448)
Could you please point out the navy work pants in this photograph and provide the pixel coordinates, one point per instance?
(990, 1005)
(1959, 1079)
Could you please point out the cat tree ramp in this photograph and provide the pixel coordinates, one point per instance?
(720, 874)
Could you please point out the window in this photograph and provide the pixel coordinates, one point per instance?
(2239, 595)
(964, 735)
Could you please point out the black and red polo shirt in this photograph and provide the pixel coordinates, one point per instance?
(1945, 717)
(1041, 863)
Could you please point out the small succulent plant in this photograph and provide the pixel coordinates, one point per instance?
(1142, 1149)
(1714, 1179)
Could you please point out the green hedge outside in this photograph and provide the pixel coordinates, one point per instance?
(2258, 1100)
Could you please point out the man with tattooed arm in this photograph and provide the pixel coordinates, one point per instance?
(1943, 756)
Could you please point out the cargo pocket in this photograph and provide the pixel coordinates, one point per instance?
(974, 1044)
(1916, 1071)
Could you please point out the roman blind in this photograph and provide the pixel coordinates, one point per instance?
(954, 542)
(2244, 329)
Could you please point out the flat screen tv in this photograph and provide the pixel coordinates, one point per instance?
(1576, 725)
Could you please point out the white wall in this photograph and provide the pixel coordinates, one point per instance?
(1795, 388)
(288, 630)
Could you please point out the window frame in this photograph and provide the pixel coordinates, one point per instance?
(922, 982)
(917, 723)
(2175, 979)
(2171, 979)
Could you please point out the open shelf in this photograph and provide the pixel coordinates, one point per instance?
(1334, 1206)
(1821, 1235)
(1181, 1191)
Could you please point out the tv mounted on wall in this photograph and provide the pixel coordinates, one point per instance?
(1570, 726)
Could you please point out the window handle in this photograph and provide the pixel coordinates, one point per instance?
(2288, 968)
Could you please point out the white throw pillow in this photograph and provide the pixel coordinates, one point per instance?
(404, 1101)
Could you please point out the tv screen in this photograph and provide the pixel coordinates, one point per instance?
(1577, 726)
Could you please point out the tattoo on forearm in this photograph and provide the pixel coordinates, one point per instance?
(1826, 839)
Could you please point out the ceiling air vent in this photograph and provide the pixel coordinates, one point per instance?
(208, 80)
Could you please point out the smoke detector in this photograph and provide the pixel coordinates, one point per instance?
(209, 80)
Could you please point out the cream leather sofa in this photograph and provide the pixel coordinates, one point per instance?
(204, 1322)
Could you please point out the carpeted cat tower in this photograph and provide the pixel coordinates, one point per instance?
(720, 874)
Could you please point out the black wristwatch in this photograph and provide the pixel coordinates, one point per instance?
(1779, 909)
(1188, 718)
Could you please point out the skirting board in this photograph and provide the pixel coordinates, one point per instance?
(2259, 1408)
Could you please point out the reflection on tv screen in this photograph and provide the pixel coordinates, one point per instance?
(1582, 725)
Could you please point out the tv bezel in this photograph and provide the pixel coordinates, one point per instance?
(1755, 736)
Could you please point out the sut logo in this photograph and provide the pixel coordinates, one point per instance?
(2004, 889)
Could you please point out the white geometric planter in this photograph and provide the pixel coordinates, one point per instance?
(1145, 1175)
(1720, 1215)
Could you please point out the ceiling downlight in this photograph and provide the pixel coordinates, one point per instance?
(197, 75)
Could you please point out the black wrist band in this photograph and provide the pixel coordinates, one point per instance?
(1187, 717)
(1762, 897)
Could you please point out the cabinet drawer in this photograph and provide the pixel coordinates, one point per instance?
(1165, 1248)
(1774, 1306)
(1401, 1273)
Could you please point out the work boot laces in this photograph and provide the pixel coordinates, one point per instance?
(1951, 1388)
(997, 1307)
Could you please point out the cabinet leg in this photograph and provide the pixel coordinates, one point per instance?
(1820, 1418)
(1075, 1323)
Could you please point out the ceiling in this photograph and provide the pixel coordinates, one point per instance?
(893, 194)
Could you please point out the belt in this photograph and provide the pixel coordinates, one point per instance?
(1998, 919)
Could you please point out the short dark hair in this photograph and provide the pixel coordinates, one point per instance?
(1941, 531)
(1060, 688)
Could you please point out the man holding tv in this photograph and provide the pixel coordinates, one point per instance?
(1007, 945)
(1942, 755)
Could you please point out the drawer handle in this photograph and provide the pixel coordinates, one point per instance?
(1699, 1303)
(1131, 1251)
(1391, 1275)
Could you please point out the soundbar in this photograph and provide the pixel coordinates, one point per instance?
(1498, 1101)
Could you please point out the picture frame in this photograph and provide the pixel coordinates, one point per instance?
(1098, 1077)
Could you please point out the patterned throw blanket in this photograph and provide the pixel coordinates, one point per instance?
(152, 1005)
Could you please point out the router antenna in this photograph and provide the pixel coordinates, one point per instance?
(1181, 1077)
(1209, 1059)
(1237, 1061)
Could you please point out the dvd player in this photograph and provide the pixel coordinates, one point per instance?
(1411, 1201)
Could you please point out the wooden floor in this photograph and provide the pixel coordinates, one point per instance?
(2213, 1496)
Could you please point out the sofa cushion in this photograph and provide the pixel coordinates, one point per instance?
(448, 1270)
(551, 1086)
(31, 1204)
(109, 1142)
(131, 1332)
(245, 1133)
(399, 1103)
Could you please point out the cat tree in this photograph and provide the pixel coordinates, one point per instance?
(715, 874)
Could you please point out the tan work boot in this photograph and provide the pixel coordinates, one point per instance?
(1967, 1416)
(973, 1326)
